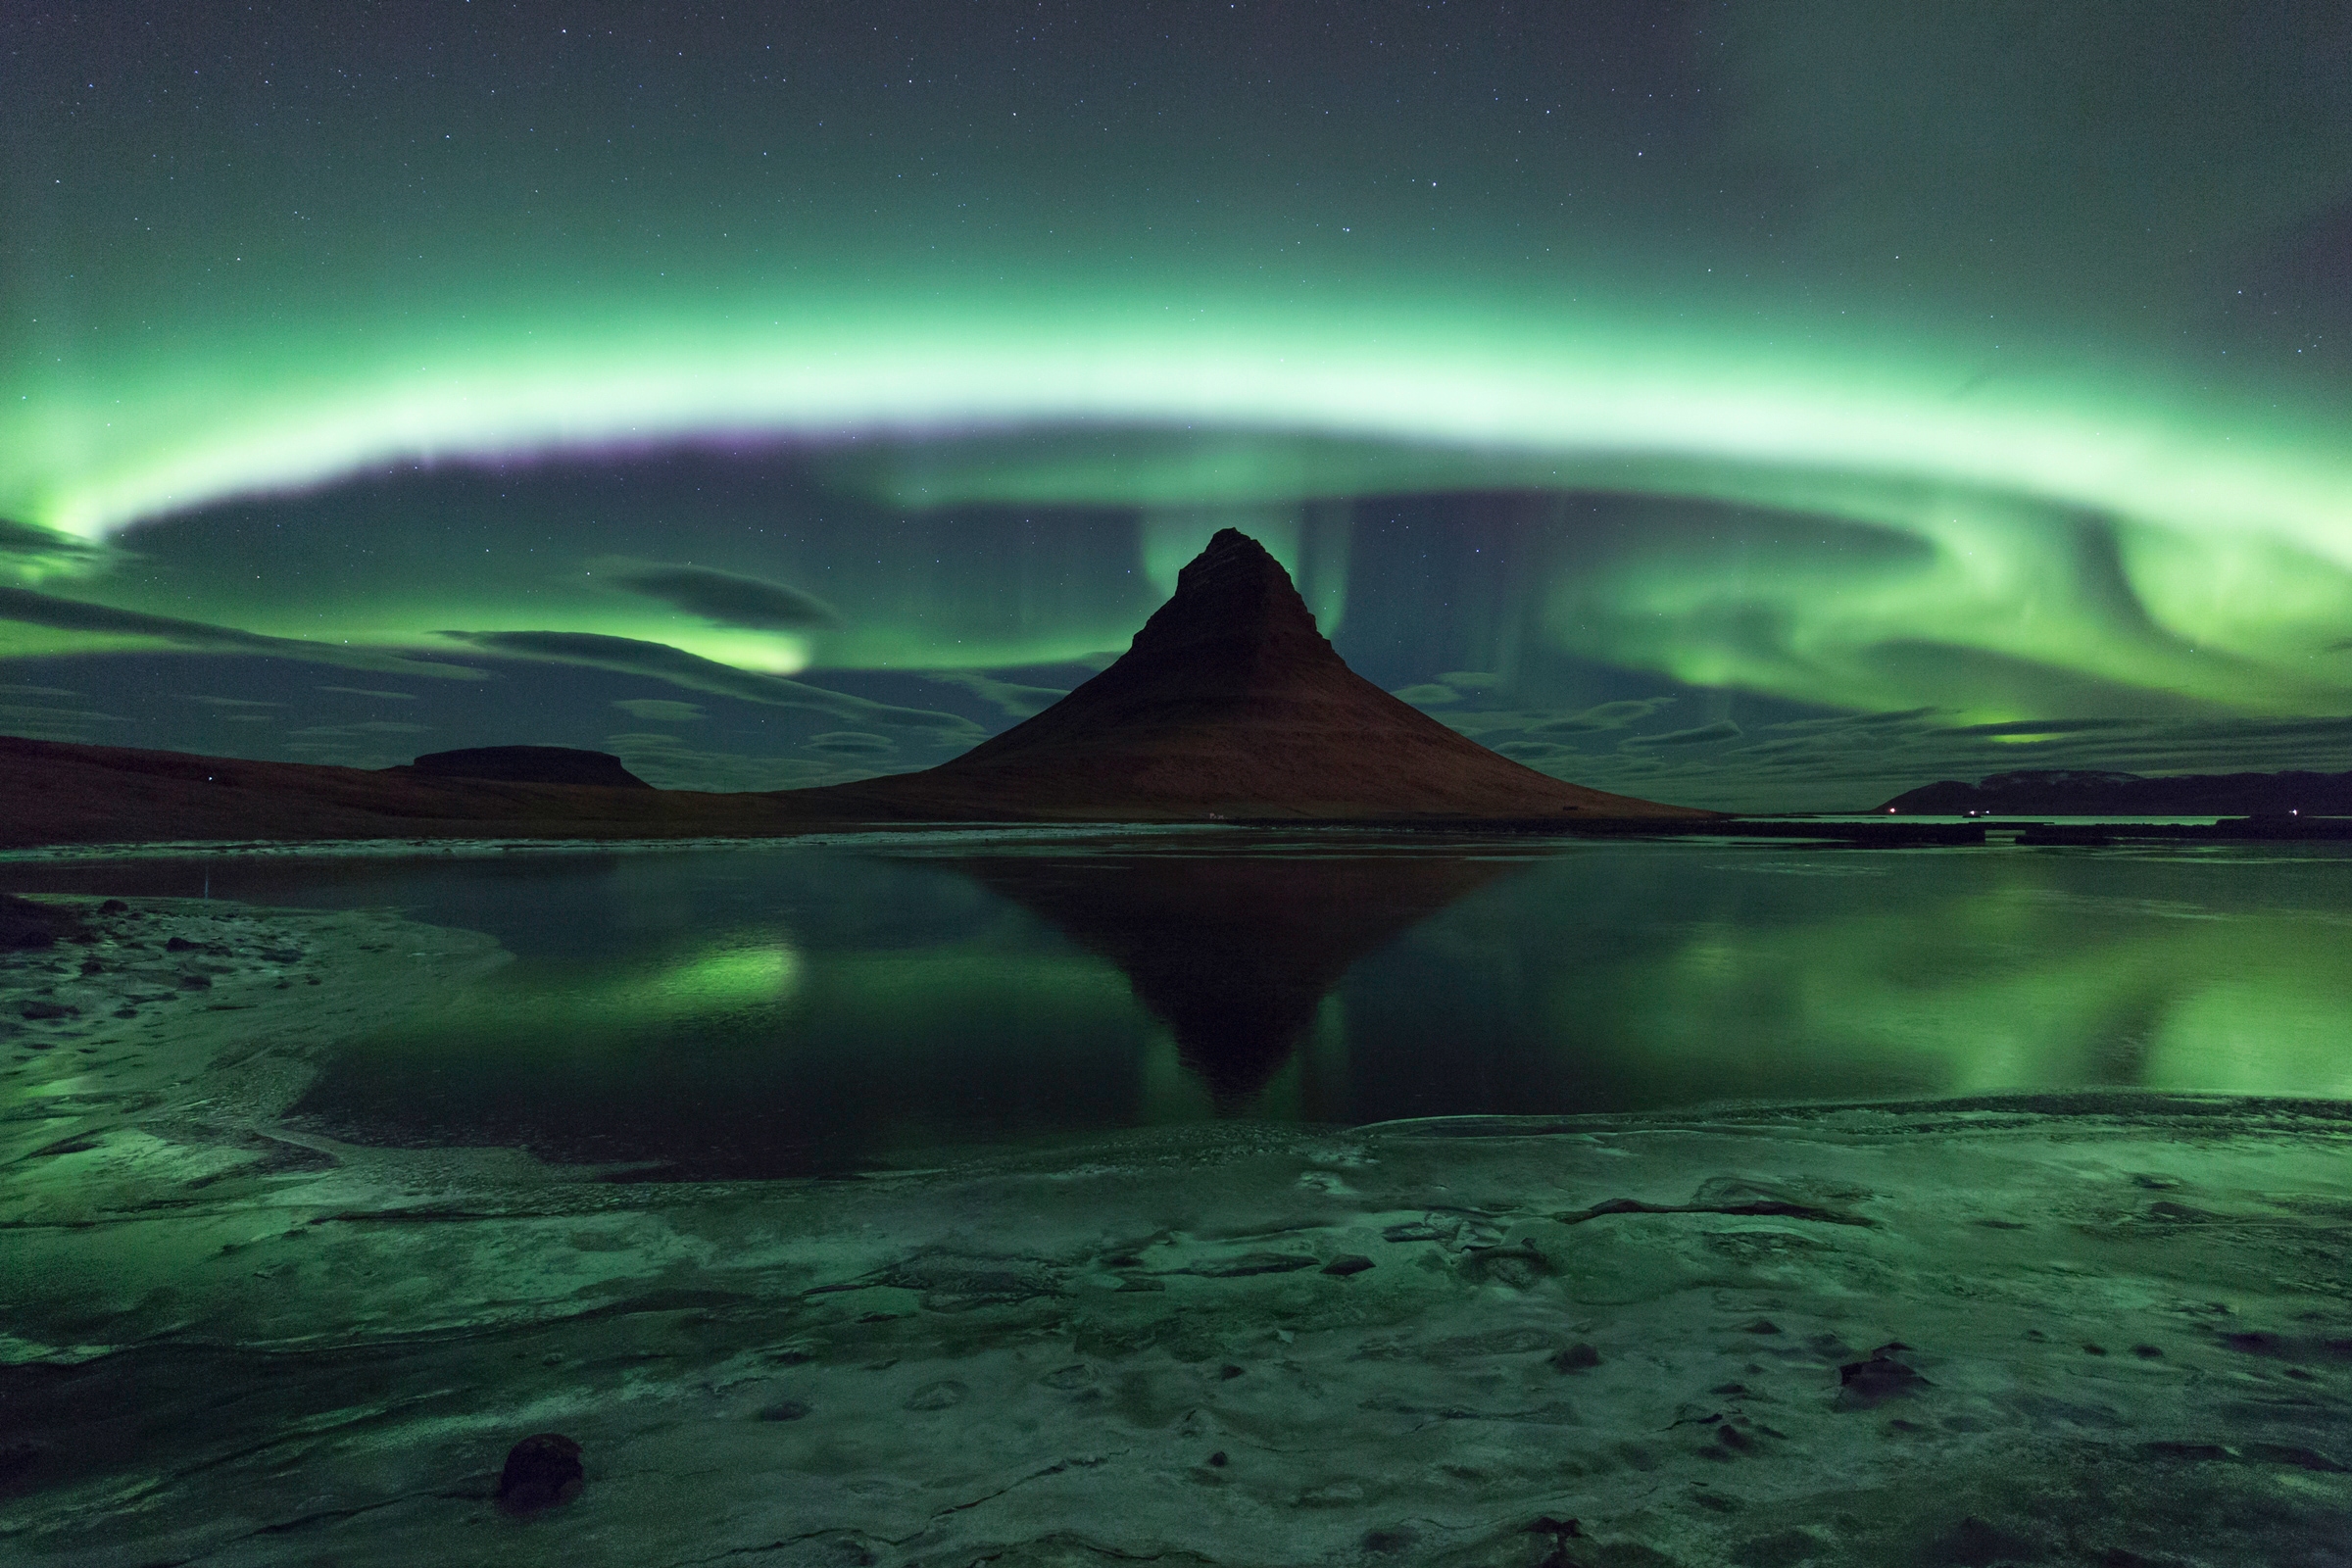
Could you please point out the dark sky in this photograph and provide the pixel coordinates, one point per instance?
(1771, 405)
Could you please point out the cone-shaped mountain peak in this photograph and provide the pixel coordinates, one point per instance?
(1231, 705)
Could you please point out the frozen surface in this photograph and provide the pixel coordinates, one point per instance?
(2097, 1330)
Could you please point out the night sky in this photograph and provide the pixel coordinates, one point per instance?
(1767, 405)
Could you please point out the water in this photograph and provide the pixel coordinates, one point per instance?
(789, 1009)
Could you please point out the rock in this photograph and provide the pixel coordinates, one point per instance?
(113, 906)
(1975, 1544)
(542, 1471)
(36, 1008)
(179, 945)
(1246, 1263)
(1578, 1357)
(1520, 1267)
(784, 1410)
(1863, 1383)
(944, 1395)
(26, 923)
(1351, 1264)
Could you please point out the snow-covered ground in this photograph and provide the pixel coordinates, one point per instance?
(2099, 1330)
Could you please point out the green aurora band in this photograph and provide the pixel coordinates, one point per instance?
(2234, 519)
(1857, 363)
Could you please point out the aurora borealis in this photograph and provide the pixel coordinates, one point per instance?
(1763, 406)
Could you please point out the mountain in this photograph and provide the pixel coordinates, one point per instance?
(58, 792)
(2061, 793)
(1230, 705)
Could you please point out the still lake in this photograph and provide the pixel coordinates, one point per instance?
(793, 1008)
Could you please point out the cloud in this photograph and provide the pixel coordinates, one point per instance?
(34, 609)
(666, 762)
(1016, 701)
(75, 718)
(1535, 751)
(728, 598)
(850, 742)
(24, 540)
(1723, 729)
(1469, 680)
(1428, 695)
(1604, 716)
(35, 691)
(230, 701)
(361, 691)
(2049, 726)
(660, 709)
(374, 726)
(682, 668)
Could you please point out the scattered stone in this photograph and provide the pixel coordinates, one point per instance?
(1218, 1458)
(195, 982)
(2300, 1458)
(1520, 1267)
(1229, 1371)
(2092, 1348)
(1248, 1263)
(1578, 1357)
(1385, 1541)
(541, 1471)
(2146, 1352)
(26, 923)
(179, 945)
(1351, 1264)
(36, 1008)
(1864, 1384)
(944, 1395)
(784, 1410)
(1763, 1325)
(113, 906)
(1975, 1544)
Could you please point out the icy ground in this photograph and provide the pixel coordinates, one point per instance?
(2111, 1331)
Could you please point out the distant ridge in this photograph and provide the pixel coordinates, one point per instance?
(1230, 705)
(2041, 792)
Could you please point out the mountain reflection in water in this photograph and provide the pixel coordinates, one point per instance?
(804, 1008)
(755, 1055)
(1237, 952)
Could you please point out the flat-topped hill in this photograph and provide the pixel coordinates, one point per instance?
(531, 764)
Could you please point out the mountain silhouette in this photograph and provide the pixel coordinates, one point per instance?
(1236, 950)
(1230, 705)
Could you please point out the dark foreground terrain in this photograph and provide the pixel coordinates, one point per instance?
(2100, 1329)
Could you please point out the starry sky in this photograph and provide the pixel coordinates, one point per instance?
(1766, 406)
